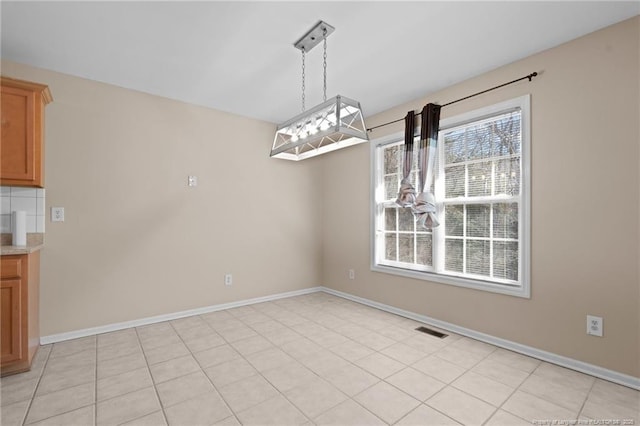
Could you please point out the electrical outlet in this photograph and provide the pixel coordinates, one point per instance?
(594, 325)
(57, 214)
(228, 279)
(352, 274)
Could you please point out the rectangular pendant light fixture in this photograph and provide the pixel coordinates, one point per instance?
(334, 124)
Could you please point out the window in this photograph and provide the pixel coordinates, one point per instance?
(481, 187)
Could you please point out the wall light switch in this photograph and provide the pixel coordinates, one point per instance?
(193, 181)
(57, 214)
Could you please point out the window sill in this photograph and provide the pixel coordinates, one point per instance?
(517, 291)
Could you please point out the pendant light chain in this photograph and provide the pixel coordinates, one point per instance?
(303, 78)
(324, 65)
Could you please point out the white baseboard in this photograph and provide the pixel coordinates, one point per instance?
(583, 367)
(54, 338)
(594, 370)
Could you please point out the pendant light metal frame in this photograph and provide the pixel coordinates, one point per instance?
(334, 124)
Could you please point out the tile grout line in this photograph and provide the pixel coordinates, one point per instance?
(244, 358)
(114, 375)
(153, 382)
(406, 366)
(401, 390)
(586, 398)
(508, 398)
(202, 369)
(126, 372)
(384, 380)
(515, 389)
(33, 396)
(316, 374)
(58, 390)
(433, 408)
(349, 397)
(547, 399)
(451, 385)
(434, 353)
(518, 389)
(281, 393)
(277, 347)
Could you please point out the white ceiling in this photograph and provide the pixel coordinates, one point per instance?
(239, 56)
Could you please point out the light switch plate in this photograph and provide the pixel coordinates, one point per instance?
(57, 214)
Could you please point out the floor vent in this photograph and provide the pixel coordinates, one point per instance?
(431, 332)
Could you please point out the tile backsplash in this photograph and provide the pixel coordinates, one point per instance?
(31, 200)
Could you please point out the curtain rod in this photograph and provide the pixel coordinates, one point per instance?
(530, 77)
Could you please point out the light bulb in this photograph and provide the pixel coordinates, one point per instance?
(313, 126)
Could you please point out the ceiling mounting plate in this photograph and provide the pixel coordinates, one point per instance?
(314, 36)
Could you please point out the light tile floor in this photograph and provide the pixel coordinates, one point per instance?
(313, 359)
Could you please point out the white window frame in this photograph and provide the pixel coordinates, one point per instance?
(523, 289)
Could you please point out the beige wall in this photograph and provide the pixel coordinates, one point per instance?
(585, 188)
(136, 241)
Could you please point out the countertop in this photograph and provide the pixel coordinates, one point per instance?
(35, 242)
(7, 250)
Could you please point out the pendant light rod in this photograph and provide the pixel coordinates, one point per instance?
(314, 36)
(303, 79)
(324, 67)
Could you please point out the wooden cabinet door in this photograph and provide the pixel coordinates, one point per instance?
(18, 146)
(10, 320)
(22, 142)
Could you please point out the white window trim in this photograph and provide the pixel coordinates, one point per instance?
(524, 289)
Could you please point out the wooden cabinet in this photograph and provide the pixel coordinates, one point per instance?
(19, 304)
(22, 143)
